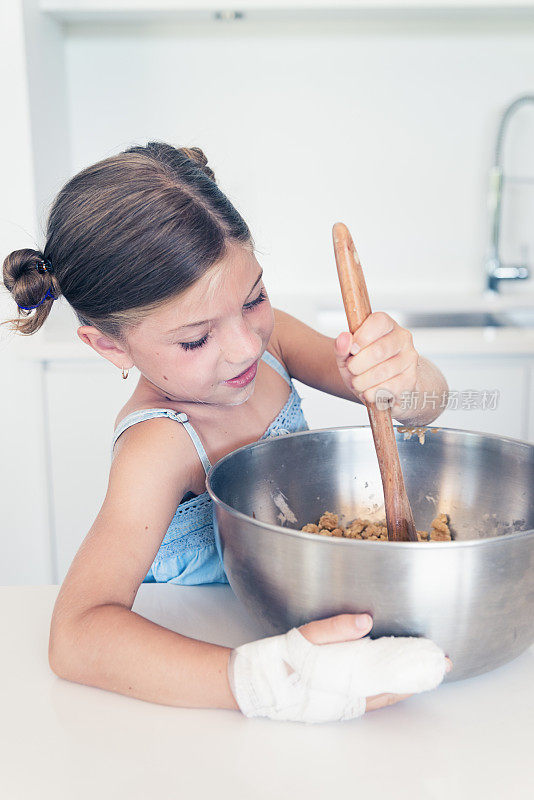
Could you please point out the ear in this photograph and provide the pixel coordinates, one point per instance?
(105, 346)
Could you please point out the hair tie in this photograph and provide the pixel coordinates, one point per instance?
(49, 293)
(43, 265)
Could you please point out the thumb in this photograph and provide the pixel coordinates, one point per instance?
(342, 346)
(342, 350)
(341, 628)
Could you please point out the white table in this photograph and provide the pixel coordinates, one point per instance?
(471, 739)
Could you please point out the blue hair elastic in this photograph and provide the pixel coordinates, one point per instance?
(49, 293)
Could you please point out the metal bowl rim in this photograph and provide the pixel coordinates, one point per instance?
(339, 540)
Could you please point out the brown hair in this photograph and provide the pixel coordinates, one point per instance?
(125, 235)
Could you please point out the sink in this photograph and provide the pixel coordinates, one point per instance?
(515, 318)
(446, 319)
(509, 318)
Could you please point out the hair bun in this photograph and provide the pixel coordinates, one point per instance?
(20, 263)
(28, 287)
(166, 153)
(195, 154)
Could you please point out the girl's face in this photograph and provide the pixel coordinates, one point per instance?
(197, 348)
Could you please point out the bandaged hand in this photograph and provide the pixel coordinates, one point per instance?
(289, 677)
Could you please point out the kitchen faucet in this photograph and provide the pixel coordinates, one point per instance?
(496, 271)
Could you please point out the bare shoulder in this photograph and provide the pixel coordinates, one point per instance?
(161, 443)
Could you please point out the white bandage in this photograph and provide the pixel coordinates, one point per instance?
(288, 678)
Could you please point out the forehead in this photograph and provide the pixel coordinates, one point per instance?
(225, 285)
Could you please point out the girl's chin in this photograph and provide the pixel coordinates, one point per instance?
(245, 395)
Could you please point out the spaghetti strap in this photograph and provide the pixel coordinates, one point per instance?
(179, 416)
(275, 364)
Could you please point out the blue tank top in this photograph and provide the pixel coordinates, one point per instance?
(188, 554)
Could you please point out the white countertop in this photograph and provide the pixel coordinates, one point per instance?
(470, 739)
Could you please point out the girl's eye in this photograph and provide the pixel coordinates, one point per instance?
(259, 299)
(194, 345)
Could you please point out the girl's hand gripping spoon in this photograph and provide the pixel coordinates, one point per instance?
(399, 518)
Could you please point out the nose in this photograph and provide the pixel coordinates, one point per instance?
(241, 344)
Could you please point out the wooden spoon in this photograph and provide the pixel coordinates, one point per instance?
(399, 518)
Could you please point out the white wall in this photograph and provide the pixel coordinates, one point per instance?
(388, 125)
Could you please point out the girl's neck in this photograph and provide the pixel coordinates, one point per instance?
(148, 393)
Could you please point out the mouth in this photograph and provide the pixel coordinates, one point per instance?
(245, 377)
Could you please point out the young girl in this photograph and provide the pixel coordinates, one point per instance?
(160, 270)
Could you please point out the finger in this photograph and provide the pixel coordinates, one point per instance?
(341, 628)
(382, 700)
(404, 382)
(376, 325)
(342, 345)
(382, 349)
(380, 373)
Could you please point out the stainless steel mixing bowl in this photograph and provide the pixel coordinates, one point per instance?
(473, 596)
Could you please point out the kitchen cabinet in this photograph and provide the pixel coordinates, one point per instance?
(505, 382)
(84, 399)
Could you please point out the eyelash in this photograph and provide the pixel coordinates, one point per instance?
(248, 306)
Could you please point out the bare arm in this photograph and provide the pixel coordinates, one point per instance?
(114, 648)
(95, 637)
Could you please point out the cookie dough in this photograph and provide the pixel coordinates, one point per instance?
(329, 525)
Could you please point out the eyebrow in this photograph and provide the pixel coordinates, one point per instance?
(203, 321)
